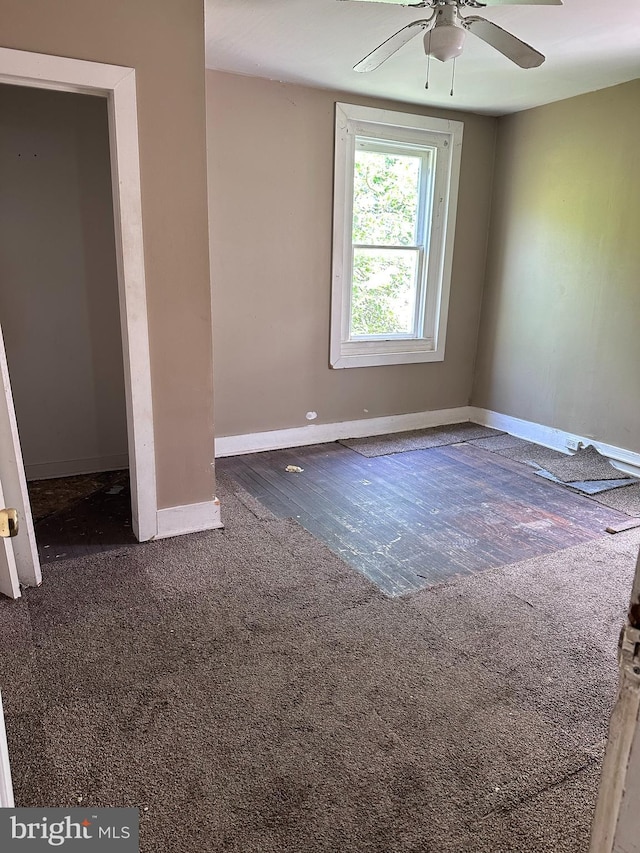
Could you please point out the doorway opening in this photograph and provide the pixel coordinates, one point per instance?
(60, 317)
(114, 86)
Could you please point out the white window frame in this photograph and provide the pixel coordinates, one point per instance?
(444, 137)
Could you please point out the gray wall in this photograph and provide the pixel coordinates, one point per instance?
(59, 307)
(559, 341)
(270, 149)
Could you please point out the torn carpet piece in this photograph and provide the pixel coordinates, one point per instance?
(586, 464)
(418, 439)
(587, 487)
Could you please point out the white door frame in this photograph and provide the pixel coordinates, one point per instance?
(118, 85)
(616, 824)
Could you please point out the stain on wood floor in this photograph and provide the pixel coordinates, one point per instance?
(85, 514)
(415, 519)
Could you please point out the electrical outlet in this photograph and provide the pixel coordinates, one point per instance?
(573, 443)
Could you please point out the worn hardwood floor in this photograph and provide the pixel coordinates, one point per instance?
(415, 519)
(407, 520)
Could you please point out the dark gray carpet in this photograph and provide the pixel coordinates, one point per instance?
(504, 441)
(252, 693)
(528, 451)
(418, 439)
(585, 464)
(626, 499)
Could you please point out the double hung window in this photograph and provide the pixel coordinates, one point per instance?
(394, 214)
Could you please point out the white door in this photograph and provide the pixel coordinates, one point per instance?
(19, 563)
(6, 788)
(9, 582)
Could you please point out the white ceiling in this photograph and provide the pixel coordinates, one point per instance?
(589, 44)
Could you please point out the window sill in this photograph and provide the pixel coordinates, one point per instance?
(346, 357)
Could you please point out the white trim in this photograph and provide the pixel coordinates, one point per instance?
(625, 460)
(118, 85)
(125, 169)
(43, 71)
(279, 439)
(444, 138)
(613, 809)
(22, 552)
(6, 788)
(73, 467)
(236, 445)
(192, 518)
(615, 824)
(9, 580)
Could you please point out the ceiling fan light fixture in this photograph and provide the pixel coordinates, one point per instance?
(444, 42)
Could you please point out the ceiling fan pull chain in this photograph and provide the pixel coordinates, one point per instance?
(453, 76)
(428, 60)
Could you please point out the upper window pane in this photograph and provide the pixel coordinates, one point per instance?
(386, 197)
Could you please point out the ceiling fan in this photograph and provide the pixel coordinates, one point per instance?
(446, 28)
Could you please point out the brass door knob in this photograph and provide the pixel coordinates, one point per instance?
(8, 523)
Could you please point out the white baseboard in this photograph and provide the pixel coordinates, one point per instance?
(626, 461)
(236, 445)
(73, 467)
(192, 518)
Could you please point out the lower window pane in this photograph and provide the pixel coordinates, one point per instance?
(383, 295)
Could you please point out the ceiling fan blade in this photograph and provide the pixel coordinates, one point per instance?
(472, 2)
(517, 51)
(403, 2)
(374, 59)
(516, 2)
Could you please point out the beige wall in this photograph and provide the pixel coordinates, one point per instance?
(164, 41)
(58, 282)
(559, 340)
(271, 184)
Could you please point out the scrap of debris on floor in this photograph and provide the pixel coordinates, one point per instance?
(586, 471)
